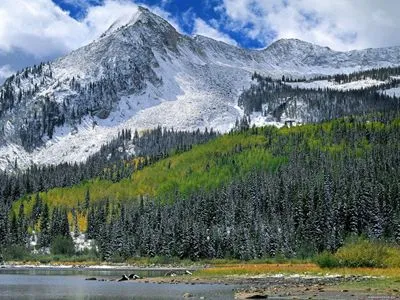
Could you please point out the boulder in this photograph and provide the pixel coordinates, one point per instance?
(187, 295)
(123, 278)
(133, 276)
(91, 278)
(257, 296)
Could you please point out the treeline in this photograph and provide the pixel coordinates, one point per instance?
(10, 96)
(380, 74)
(38, 115)
(51, 225)
(275, 98)
(112, 162)
(340, 178)
(46, 114)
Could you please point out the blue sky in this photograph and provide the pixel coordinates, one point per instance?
(32, 31)
(183, 12)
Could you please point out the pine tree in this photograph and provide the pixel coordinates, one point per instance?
(75, 222)
(44, 236)
(22, 227)
(36, 210)
(87, 200)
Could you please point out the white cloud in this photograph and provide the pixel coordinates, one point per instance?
(100, 18)
(5, 72)
(165, 2)
(37, 27)
(202, 28)
(340, 24)
(43, 29)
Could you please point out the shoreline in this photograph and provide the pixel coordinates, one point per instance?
(98, 267)
(267, 285)
(295, 286)
(244, 286)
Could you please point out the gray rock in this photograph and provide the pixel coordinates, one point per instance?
(187, 295)
(133, 276)
(123, 278)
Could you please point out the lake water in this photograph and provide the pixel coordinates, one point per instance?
(71, 284)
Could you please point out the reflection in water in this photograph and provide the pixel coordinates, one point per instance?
(53, 285)
(89, 272)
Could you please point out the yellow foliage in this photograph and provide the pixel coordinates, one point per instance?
(184, 172)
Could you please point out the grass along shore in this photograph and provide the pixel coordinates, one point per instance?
(361, 269)
(296, 278)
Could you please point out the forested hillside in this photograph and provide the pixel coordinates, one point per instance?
(116, 160)
(256, 192)
(281, 101)
(382, 74)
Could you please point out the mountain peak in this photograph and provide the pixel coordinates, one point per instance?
(144, 14)
(144, 10)
(123, 20)
(293, 43)
(141, 13)
(297, 49)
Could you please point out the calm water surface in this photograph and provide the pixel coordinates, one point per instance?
(71, 284)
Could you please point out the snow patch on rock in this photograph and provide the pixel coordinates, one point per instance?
(330, 84)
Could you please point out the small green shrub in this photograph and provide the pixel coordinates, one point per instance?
(16, 252)
(116, 258)
(45, 260)
(360, 252)
(162, 260)
(327, 260)
(62, 245)
(393, 257)
(363, 253)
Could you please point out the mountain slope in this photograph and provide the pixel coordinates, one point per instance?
(295, 56)
(203, 167)
(142, 73)
(343, 149)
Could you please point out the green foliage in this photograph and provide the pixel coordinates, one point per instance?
(116, 258)
(326, 260)
(227, 158)
(204, 167)
(88, 258)
(162, 260)
(62, 245)
(317, 104)
(281, 193)
(220, 161)
(361, 252)
(15, 252)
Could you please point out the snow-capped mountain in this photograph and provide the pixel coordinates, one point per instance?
(142, 73)
(295, 56)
